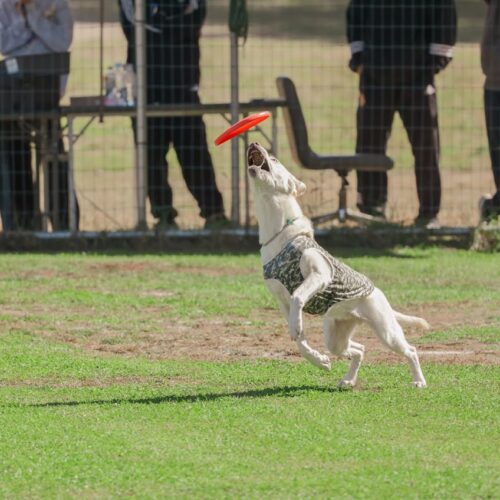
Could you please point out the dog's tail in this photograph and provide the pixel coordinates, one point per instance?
(405, 320)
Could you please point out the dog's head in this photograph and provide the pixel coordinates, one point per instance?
(268, 174)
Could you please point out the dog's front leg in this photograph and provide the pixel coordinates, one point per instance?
(311, 285)
(285, 302)
(317, 274)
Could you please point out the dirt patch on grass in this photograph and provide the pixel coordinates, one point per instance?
(266, 337)
(262, 336)
(113, 267)
(164, 266)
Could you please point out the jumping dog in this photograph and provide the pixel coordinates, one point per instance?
(305, 277)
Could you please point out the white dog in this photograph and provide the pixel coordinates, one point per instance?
(305, 277)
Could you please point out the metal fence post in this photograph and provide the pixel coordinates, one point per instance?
(141, 121)
(71, 176)
(235, 112)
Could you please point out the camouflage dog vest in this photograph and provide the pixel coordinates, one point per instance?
(345, 284)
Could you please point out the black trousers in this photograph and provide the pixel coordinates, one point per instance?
(417, 106)
(492, 113)
(18, 189)
(188, 137)
(58, 190)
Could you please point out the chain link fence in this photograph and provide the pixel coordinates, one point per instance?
(306, 41)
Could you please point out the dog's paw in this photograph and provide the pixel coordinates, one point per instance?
(346, 384)
(323, 362)
(326, 365)
(420, 384)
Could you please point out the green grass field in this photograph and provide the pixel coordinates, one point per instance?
(98, 400)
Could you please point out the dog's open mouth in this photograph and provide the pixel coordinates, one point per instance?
(257, 159)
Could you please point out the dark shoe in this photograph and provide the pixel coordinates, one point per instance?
(427, 222)
(166, 225)
(166, 218)
(373, 210)
(488, 209)
(216, 222)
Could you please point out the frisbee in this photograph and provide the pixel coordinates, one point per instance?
(242, 126)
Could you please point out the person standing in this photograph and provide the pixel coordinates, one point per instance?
(30, 28)
(490, 62)
(397, 48)
(173, 29)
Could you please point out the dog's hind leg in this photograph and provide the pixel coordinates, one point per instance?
(378, 313)
(394, 338)
(337, 335)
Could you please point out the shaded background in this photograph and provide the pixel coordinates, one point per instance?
(293, 18)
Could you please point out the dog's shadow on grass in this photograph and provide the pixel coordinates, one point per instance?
(284, 392)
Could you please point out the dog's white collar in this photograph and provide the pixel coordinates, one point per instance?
(289, 222)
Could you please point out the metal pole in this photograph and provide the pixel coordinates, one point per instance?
(101, 62)
(235, 112)
(71, 177)
(141, 122)
(247, 186)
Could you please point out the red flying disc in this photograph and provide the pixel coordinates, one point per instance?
(242, 126)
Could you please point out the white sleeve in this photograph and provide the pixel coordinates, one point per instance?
(357, 46)
(441, 49)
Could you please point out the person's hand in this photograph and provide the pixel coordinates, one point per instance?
(356, 62)
(439, 63)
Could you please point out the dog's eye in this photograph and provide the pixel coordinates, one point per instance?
(274, 159)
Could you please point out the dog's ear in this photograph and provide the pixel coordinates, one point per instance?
(297, 188)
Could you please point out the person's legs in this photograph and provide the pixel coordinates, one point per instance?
(191, 146)
(59, 170)
(418, 110)
(492, 115)
(374, 121)
(6, 204)
(21, 175)
(159, 190)
(58, 180)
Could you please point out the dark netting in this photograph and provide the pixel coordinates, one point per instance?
(408, 80)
